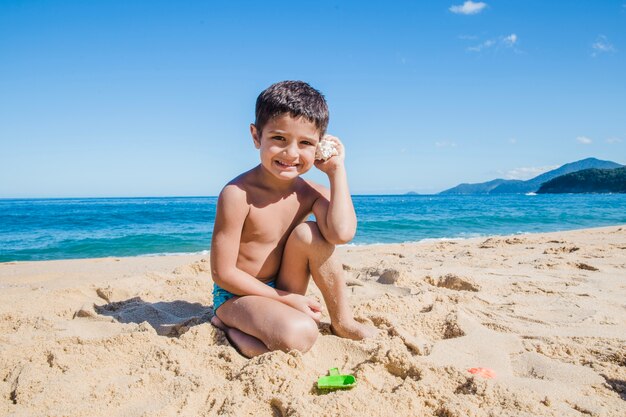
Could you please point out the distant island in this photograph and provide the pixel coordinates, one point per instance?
(502, 186)
(588, 181)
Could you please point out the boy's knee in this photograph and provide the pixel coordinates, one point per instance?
(298, 334)
(309, 233)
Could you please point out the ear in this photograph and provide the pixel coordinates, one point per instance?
(256, 136)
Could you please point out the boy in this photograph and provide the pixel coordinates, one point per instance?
(263, 251)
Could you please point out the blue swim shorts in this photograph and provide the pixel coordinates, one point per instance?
(220, 295)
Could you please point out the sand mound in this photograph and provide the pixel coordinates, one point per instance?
(453, 282)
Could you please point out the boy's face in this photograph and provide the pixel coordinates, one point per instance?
(287, 145)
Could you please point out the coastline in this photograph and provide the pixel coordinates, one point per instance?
(70, 229)
(130, 335)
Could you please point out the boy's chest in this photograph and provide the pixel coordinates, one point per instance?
(274, 222)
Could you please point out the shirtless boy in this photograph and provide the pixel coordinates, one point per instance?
(263, 251)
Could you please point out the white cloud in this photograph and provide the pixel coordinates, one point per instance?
(602, 46)
(510, 40)
(526, 173)
(469, 7)
(584, 140)
(485, 45)
(445, 144)
(503, 41)
(613, 140)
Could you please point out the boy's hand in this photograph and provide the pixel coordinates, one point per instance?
(307, 305)
(331, 164)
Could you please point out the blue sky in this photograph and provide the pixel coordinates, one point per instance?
(154, 98)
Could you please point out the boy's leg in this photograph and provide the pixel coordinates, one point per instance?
(306, 254)
(249, 346)
(257, 324)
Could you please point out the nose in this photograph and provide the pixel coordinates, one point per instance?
(292, 150)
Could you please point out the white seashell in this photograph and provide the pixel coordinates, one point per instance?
(325, 150)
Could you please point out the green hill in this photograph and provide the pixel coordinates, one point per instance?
(502, 186)
(588, 181)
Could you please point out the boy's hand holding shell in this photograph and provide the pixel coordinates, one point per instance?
(329, 155)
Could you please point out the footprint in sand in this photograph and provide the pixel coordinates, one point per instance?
(417, 344)
(440, 328)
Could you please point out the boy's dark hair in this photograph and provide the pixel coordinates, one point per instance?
(297, 98)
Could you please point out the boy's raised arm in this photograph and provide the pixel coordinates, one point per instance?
(334, 210)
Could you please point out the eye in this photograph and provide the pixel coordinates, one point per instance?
(307, 143)
(279, 138)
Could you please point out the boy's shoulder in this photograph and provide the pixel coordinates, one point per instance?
(240, 185)
(315, 189)
(242, 191)
(247, 184)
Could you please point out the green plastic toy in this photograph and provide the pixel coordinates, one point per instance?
(336, 381)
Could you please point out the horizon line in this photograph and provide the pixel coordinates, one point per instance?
(408, 193)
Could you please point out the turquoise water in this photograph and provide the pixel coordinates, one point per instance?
(86, 228)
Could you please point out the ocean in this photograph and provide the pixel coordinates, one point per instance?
(48, 229)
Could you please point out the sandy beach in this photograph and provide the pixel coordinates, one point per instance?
(545, 313)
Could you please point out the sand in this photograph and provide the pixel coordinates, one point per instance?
(131, 336)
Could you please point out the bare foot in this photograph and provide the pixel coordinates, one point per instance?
(352, 329)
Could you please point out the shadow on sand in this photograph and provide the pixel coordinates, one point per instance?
(617, 385)
(168, 318)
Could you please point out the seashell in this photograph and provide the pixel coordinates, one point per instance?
(325, 150)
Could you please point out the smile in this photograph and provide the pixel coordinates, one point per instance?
(286, 165)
